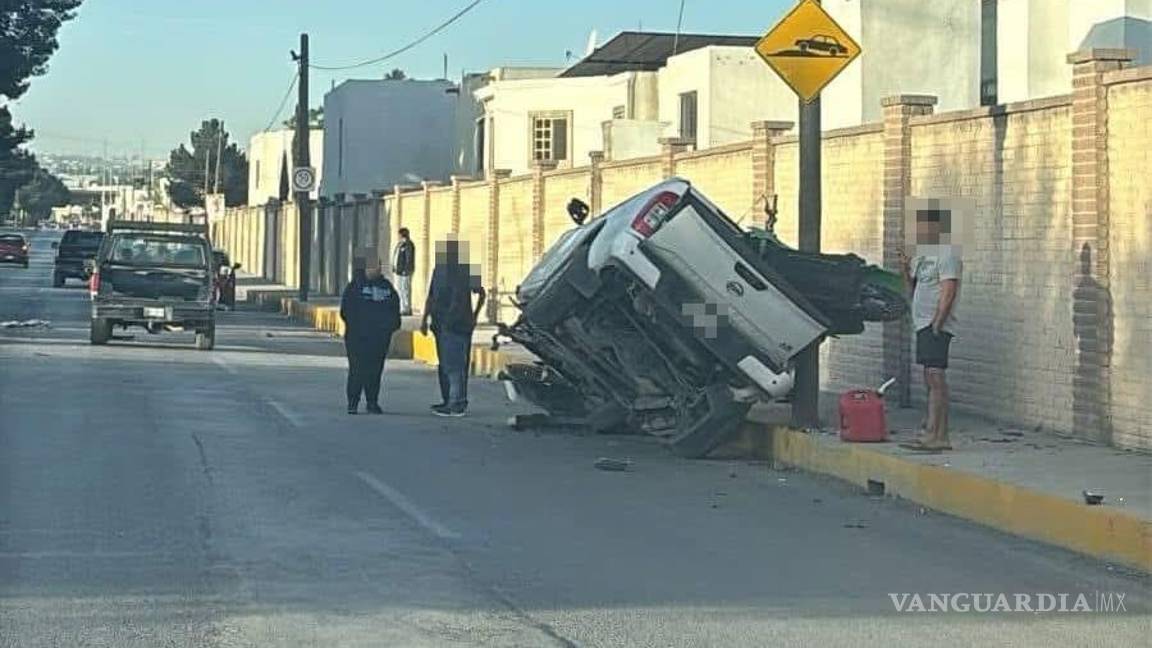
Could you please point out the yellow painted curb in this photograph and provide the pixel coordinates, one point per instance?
(1098, 531)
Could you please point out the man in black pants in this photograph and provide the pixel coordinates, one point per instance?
(370, 309)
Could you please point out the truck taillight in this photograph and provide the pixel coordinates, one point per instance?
(654, 214)
(94, 283)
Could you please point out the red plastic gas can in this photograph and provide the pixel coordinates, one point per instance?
(862, 417)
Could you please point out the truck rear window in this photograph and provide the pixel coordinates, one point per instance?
(82, 239)
(144, 250)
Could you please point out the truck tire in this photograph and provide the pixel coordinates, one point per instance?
(721, 421)
(206, 338)
(100, 331)
(57, 280)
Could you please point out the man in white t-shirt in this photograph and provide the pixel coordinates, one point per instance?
(934, 276)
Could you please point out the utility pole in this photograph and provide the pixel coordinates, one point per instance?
(301, 157)
(219, 152)
(806, 404)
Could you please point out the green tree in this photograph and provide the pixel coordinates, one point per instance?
(27, 40)
(315, 119)
(41, 194)
(209, 148)
(17, 164)
(395, 75)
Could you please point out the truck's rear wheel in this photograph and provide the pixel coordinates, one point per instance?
(100, 331)
(206, 338)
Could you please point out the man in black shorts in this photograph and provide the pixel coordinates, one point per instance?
(934, 277)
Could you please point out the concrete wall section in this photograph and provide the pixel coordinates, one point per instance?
(1130, 245)
(381, 133)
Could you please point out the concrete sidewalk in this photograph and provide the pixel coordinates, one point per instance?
(1028, 483)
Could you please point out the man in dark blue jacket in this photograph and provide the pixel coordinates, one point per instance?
(370, 309)
(453, 318)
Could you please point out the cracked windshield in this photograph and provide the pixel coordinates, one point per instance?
(661, 323)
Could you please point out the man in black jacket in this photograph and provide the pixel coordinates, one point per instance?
(403, 267)
(370, 309)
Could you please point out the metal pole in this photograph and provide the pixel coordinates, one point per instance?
(806, 398)
(302, 158)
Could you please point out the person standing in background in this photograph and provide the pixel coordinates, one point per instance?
(370, 309)
(453, 319)
(403, 267)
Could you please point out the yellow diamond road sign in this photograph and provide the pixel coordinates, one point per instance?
(807, 49)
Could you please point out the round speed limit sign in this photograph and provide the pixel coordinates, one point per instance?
(303, 179)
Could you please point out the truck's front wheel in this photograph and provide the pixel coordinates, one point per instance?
(100, 331)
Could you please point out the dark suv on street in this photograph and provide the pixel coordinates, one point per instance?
(157, 276)
(74, 254)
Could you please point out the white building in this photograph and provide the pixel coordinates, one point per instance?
(380, 133)
(625, 95)
(270, 157)
(972, 52)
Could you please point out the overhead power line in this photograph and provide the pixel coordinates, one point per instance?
(280, 108)
(460, 14)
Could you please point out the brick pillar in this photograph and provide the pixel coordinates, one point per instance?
(595, 183)
(764, 159)
(670, 147)
(1091, 297)
(539, 168)
(456, 180)
(492, 272)
(898, 113)
(426, 243)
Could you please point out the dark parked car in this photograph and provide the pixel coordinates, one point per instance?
(225, 278)
(74, 255)
(13, 249)
(822, 43)
(157, 276)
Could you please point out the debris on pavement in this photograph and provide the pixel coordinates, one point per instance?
(1092, 499)
(32, 323)
(856, 525)
(612, 465)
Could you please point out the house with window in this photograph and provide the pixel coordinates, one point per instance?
(624, 96)
(972, 53)
(270, 164)
(383, 132)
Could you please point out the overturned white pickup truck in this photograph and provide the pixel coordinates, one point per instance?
(663, 316)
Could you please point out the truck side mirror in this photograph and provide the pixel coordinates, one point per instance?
(235, 266)
(55, 245)
(578, 210)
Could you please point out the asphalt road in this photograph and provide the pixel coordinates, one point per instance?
(154, 495)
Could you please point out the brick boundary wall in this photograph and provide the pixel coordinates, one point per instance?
(968, 160)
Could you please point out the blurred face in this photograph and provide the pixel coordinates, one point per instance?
(927, 232)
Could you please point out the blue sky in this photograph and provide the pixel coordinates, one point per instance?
(143, 73)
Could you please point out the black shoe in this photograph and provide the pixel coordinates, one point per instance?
(352, 409)
(374, 409)
(458, 411)
(437, 406)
